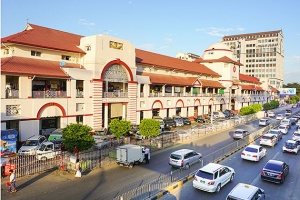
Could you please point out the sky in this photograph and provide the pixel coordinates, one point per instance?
(165, 27)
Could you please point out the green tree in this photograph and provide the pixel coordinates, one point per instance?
(149, 127)
(267, 106)
(119, 127)
(274, 104)
(77, 135)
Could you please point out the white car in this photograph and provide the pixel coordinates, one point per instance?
(279, 117)
(263, 122)
(271, 114)
(296, 136)
(268, 140)
(253, 152)
(212, 177)
(240, 134)
(291, 146)
(298, 124)
(284, 129)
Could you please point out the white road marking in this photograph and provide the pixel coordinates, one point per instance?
(258, 177)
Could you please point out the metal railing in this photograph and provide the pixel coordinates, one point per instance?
(49, 94)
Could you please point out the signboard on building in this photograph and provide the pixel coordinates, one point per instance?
(287, 92)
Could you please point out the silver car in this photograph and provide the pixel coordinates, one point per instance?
(240, 134)
(184, 158)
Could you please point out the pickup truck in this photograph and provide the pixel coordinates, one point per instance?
(48, 150)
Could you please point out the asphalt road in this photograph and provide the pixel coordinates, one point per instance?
(106, 183)
(249, 172)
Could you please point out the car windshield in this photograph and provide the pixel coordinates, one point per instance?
(205, 175)
(262, 120)
(238, 132)
(175, 156)
(281, 127)
(290, 145)
(31, 143)
(169, 120)
(274, 132)
(273, 166)
(266, 137)
(251, 149)
(43, 147)
(296, 134)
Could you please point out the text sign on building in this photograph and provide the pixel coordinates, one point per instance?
(287, 91)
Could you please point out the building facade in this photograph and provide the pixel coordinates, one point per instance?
(50, 79)
(262, 55)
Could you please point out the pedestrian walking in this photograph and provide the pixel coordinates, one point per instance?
(147, 155)
(12, 180)
(77, 168)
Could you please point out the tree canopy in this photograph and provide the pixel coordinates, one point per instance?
(77, 135)
(149, 127)
(119, 127)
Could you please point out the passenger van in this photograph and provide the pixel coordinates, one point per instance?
(244, 191)
(184, 158)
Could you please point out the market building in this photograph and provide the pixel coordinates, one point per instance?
(50, 78)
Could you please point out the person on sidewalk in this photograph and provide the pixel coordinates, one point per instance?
(77, 169)
(12, 180)
(147, 155)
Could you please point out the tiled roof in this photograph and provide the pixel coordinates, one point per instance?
(247, 78)
(168, 79)
(28, 66)
(211, 84)
(251, 34)
(43, 37)
(274, 90)
(223, 59)
(162, 61)
(251, 87)
(178, 80)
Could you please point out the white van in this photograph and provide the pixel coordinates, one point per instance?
(244, 191)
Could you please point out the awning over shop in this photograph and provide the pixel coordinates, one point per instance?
(211, 84)
(252, 87)
(171, 80)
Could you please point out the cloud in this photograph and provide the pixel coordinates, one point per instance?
(168, 39)
(86, 23)
(130, 2)
(220, 32)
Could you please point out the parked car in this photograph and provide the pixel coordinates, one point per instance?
(254, 152)
(275, 171)
(212, 177)
(230, 112)
(271, 114)
(296, 136)
(218, 114)
(199, 119)
(186, 121)
(226, 114)
(31, 145)
(178, 120)
(240, 134)
(244, 191)
(183, 158)
(263, 122)
(276, 132)
(279, 117)
(291, 146)
(169, 123)
(284, 129)
(268, 140)
(134, 129)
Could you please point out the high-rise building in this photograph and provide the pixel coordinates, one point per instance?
(261, 54)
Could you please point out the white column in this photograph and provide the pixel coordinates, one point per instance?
(124, 111)
(172, 91)
(163, 90)
(106, 115)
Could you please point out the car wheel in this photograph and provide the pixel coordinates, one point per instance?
(218, 188)
(187, 166)
(231, 178)
(130, 165)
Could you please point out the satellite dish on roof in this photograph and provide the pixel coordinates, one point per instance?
(62, 63)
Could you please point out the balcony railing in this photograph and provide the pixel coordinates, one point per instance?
(12, 94)
(49, 94)
(115, 94)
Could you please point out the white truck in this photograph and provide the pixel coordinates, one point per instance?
(48, 150)
(129, 155)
